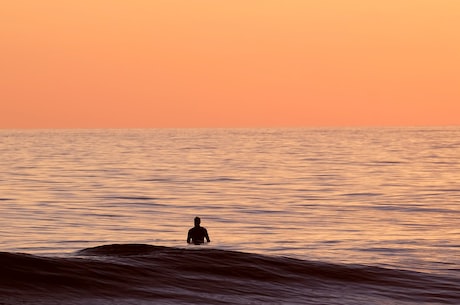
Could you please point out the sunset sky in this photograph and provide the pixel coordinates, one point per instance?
(238, 63)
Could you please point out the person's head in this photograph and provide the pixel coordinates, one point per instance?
(197, 221)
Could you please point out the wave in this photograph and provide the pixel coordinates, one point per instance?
(146, 274)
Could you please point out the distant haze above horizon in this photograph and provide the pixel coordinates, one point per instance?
(207, 63)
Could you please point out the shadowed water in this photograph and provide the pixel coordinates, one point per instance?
(145, 274)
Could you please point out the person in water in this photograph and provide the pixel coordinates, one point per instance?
(197, 234)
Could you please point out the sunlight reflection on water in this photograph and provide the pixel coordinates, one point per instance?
(377, 196)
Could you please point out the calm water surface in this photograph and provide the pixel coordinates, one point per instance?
(385, 197)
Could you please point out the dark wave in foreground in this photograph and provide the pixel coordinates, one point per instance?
(145, 274)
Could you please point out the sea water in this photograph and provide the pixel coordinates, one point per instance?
(376, 197)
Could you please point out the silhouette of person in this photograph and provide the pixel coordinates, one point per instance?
(197, 234)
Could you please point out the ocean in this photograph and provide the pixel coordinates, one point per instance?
(295, 216)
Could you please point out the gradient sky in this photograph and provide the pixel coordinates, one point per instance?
(238, 63)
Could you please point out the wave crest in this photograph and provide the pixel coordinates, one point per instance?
(185, 276)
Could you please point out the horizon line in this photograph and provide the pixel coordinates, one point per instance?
(238, 127)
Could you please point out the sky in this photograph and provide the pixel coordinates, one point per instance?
(238, 63)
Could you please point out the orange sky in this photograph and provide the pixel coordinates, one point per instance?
(238, 63)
